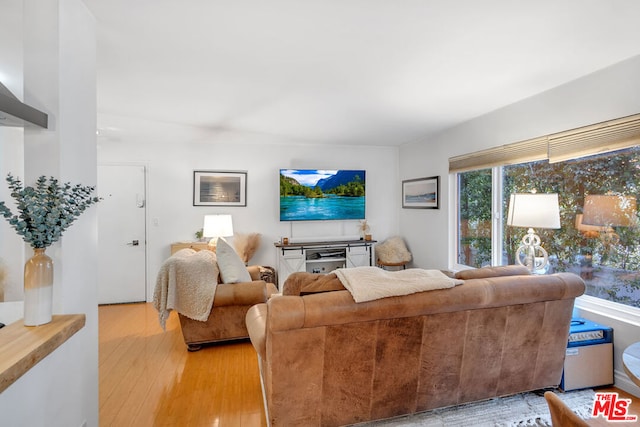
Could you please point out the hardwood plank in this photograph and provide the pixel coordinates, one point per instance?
(146, 358)
(147, 376)
(160, 373)
(117, 361)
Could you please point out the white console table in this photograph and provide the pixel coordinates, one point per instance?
(322, 257)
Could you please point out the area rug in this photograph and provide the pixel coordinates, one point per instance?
(520, 410)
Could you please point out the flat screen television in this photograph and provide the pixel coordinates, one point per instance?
(320, 194)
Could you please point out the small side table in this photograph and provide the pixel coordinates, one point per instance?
(196, 246)
(268, 274)
(631, 362)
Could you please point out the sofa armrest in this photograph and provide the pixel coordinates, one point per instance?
(262, 272)
(244, 293)
(498, 271)
(303, 283)
(271, 290)
(254, 272)
(256, 320)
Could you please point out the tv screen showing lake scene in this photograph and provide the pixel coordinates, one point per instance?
(320, 194)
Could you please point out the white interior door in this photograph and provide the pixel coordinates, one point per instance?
(121, 234)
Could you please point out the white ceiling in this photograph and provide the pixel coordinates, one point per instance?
(374, 72)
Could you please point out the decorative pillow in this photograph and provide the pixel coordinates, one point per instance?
(232, 269)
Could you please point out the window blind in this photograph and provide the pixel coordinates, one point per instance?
(596, 139)
(509, 154)
(599, 138)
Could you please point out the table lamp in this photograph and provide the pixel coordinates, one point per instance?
(609, 210)
(531, 210)
(217, 226)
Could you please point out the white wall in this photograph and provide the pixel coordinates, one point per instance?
(11, 253)
(58, 73)
(11, 148)
(172, 160)
(608, 94)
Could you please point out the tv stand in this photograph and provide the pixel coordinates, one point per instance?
(322, 257)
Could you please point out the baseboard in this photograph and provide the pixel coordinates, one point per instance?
(623, 382)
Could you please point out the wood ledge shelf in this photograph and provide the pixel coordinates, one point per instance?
(22, 347)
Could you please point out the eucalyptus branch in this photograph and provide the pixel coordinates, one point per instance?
(46, 210)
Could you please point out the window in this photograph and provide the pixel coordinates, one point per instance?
(605, 253)
(474, 218)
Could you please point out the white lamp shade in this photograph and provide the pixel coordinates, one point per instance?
(609, 210)
(217, 226)
(534, 211)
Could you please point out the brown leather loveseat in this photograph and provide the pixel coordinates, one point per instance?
(230, 305)
(328, 361)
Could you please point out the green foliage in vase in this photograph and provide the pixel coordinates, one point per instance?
(46, 210)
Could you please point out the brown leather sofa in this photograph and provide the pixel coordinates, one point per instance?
(230, 305)
(328, 361)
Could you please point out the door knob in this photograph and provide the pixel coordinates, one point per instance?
(134, 243)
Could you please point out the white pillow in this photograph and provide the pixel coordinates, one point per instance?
(232, 269)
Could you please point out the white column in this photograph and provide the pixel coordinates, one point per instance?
(58, 42)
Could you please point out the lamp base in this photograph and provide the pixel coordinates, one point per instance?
(609, 236)
(530, 254)
(213, 243)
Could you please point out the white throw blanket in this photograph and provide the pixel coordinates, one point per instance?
(186, 283)
(371, 283)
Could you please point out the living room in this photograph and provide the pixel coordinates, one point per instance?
(596, 96)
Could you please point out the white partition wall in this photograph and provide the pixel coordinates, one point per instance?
(57, 46)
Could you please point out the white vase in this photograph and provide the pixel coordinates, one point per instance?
(38, 288)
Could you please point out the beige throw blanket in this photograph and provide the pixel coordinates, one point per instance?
(186, 283)
(371, 283)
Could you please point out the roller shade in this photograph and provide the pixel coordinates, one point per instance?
(599, 138)
(519, 152)
(596, 139)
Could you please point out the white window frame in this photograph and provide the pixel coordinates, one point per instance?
(496, 218)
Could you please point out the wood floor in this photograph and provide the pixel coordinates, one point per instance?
(148, 378)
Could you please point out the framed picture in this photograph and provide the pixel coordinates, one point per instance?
(421, 193)
(224, 188)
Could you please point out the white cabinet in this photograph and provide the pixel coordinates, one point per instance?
(322, 257)
(289, 261)
(358, 256)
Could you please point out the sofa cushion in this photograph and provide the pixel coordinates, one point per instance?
(485, 272)
(232, 269)
(303, 283)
